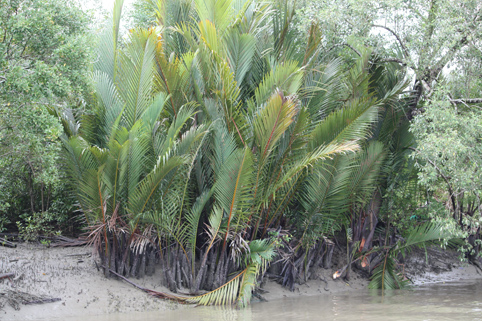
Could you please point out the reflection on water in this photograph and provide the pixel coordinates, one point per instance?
(451, 301)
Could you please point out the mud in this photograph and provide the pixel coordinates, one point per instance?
(70, 275)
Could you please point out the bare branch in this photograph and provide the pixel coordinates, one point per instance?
(427, 88)
(404, 48)
(345, 45)
(437, 68)
(466, 101)
(400, 61)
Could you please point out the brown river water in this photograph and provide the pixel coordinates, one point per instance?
(450, 301)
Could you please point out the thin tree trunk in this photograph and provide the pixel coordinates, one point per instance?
(30, 190)
(142, 267)
(135, 265)
(320, 254)
(151, 260)
(178, 268)
(330, 246)
(42, 196)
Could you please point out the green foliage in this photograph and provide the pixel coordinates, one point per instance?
(222, 117)
(211, 124)
(141, 14)
(419, 33)
(238, 290)
(448, 157)
(4, 221)
(385, 276)
(44, 58)
(37, 225)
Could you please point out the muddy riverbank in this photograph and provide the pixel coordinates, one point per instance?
(70, 275)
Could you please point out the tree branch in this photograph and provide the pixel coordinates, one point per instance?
(400, 61)
(439, 65)
(445, 178)
(465, 101)
(406, 54)
(346, 45)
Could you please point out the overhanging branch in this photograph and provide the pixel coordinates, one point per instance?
(400, 61)
(346, 45)
(404, 48)
(466, 101)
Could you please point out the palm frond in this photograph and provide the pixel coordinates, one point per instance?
(146, 188)
(352, 122)
(240, 50)
(234, 186)
(271, 122)
(285, 78)
(365, 172)
(219, 12)
(224, 295)
(238, 289)
(327, 92)
(426, 234)
(137, 67)
(386, 277)
(193, 218)
(108, 43)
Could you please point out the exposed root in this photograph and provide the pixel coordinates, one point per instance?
(477, 265)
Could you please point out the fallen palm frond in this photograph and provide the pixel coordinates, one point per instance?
(158, 294)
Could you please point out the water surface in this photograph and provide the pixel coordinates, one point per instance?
(450, 301)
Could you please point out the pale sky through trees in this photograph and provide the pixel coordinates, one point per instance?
(101, 8)
(103, 5)
(109, 4)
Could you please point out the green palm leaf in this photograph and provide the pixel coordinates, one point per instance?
(366, 171)
(352, 122)
(219, 12)
(240, 50)
(108, 43)
(270, 122)
(137, 67)
(147, 187)
(239, 288)
(385, 275)
(285, 78)
(193, 218)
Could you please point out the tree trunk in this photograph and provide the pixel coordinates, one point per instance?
(220, 270)
(31, 193)
(320, 255)
(371, 222)
(151, 262)
(330, 246)
(212, 270)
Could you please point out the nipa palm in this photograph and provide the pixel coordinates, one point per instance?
(210, 135)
